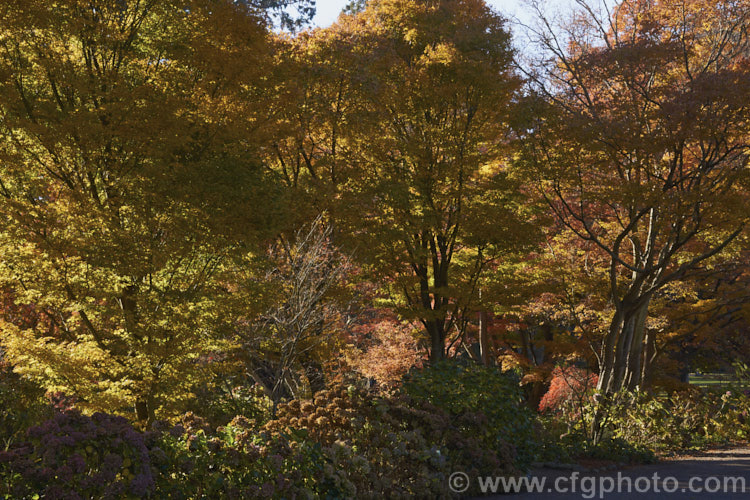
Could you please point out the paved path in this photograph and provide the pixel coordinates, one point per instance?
(704, 472)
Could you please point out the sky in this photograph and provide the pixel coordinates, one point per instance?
(328, 10)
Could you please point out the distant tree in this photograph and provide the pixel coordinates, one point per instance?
(355, 7)
(382, 348)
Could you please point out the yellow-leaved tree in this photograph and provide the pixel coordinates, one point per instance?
(129, 186)
(400, 134)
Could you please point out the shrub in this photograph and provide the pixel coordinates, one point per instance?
(682, 420)
(239, 461)
(561, 444)
(609, 448)
(566, 412)
(393, 447)
(360, 436)
(465, 389)
(226, 397)
(346, 443)
(641, 423)
(74, 456)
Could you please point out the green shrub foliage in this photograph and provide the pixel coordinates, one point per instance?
(395, 447)
(465, 389)
(682, 420)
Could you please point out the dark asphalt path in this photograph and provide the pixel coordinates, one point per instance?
(708, 471)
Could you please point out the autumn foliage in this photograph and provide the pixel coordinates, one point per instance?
(245, 256)
(568, 384)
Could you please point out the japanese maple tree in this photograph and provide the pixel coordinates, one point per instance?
(640, 147)
(128, 178)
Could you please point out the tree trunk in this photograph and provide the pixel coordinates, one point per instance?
(437, 340)
(534, 393)
(634, 363)
(484, 339)
(623, 352)
(314, 373)
(145, 411)
(648, 359)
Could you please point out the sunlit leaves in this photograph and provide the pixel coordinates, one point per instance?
(131, 188)
(642, 149)
(406, 104)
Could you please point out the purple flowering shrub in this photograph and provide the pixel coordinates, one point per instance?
(73, 456)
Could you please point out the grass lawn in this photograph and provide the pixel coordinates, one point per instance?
(712, 379)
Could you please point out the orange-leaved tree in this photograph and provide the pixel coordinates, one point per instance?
(640, 148)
